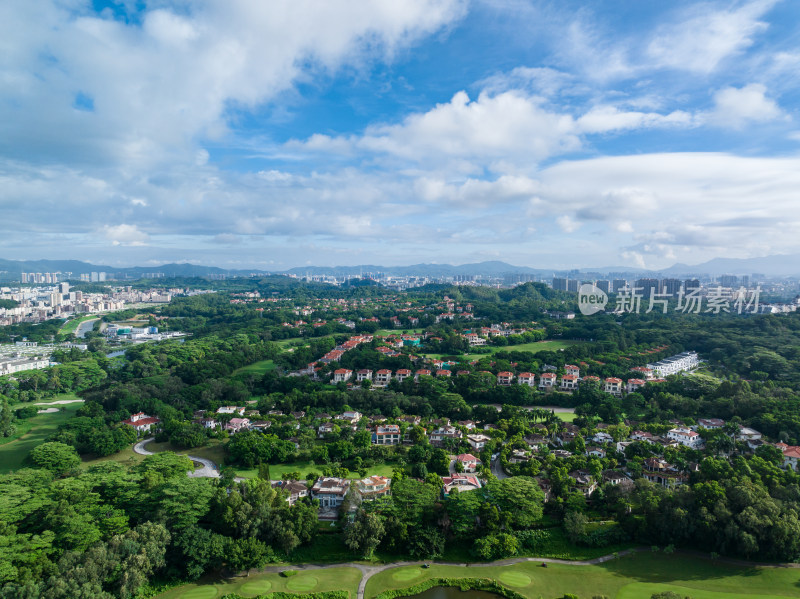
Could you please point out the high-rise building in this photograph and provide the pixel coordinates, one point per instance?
(603, 285)
(690, 284)
(572, 285)
(24, 277)
(728, 280)
(619, 284)
(671, 286)
(647, 286)
(559, 284)
(744, 280)
(64, 287)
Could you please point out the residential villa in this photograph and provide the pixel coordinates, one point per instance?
(387, 434)
(294, 488)
(526, 378)
(374, 487)
(468, 461)
(330, 491)
(141, 422)
(342, 375)
(547, 380)
(460, 482)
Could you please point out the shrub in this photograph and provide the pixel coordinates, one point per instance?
(288, 573)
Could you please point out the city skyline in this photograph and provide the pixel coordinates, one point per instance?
(266, 136)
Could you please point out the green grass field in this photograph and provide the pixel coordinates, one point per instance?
(530, 347)
(30, 433)
(276, 471)
(257, 368)
(632, 577)
(72, 325)
(310, 581)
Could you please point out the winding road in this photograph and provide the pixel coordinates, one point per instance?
(208, 470)
(368, 571)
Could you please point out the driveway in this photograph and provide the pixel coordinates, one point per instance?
(208, 469)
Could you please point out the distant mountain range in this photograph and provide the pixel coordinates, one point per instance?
(776, 266)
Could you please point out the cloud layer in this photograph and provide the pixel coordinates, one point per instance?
(168, 132)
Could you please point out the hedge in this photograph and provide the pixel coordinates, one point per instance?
(465, 584)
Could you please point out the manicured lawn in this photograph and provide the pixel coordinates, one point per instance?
(33, 432)
(258, 368)
(387, 332)
(310, 581)
(72, 325)
(632, 577)
(534, 347)
(277, 471)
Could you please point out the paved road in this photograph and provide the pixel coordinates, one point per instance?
(209, 469)
(497, 469)
(85, 327)
(368, 571)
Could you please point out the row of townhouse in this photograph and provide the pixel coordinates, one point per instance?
(681, 362)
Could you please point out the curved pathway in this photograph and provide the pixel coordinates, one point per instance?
(368, 570)
(208, 470)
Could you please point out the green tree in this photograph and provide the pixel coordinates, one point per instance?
(364, 534)
(56, 457)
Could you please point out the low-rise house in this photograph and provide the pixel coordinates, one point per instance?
(324, 429)
(685, 437)
(294, 489)
(634, 385)
(613, 385)
(561, 453)
(260, 425)
(643, 372)
(364, 375)
(387, 434)
(535, 441)
(505, 377)
(413, 420)
(330, 491)
(209, 423)
(710, 423)
(596, 452)
(642, 436)
(460, 482)
(142, 422)
(422, 372)
(351, 417)
(584, 482)
(440, 435)
(443, 373)
(468, 461)
(402, 374)
(468, 424)
(791, 455)
(519, 456)
(602, 437)
(569, 382)
(663, 473)
(342, 375)
(547, 380)
(231, 410)
(237, 424)
(374, 487)
(383, 376)
(526, 378)
(614, 477)
(478, 441)
(572, 370)
(298, 415)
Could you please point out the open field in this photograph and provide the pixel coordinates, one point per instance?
(385, 332)
(311, 581)
(71, 326)
(257, 368)
(277, 471)
(632, 577)
(534, 347)
(30, 433)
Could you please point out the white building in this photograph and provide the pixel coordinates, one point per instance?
(674, 364)
(685, 437)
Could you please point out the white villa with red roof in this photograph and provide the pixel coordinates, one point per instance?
(468, 461)
(141, 422)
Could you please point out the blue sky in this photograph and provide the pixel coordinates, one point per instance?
(250, 134)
